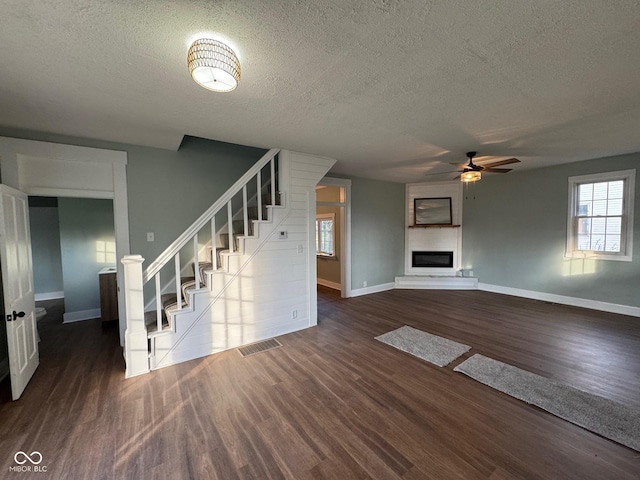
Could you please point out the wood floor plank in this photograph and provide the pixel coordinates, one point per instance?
(332, 402)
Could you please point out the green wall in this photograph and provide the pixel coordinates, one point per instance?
(86, 224)
(167, 190)
(45, 245)
(514, 234)
(377, 232)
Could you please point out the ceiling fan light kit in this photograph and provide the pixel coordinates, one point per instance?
(213, 65)
(472, 173)
(470, 176)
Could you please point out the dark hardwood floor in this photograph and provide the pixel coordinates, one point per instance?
(332, 402)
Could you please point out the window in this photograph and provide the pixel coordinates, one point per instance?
(325, 235)
(600, 223)
(106, 252)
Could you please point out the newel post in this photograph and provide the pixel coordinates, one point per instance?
(136, 352)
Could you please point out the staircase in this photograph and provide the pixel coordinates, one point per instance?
(241, 273)
(205, 269)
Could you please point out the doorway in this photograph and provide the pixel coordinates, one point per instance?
(333, 234)
(58, 170)
(72, 241)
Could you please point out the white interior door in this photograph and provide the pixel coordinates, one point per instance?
(17, 287)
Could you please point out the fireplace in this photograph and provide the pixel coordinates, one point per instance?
(431, 259)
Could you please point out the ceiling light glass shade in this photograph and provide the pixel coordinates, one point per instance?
(470, 176)
(213, 65)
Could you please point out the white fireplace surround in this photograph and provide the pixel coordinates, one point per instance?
(442, 238)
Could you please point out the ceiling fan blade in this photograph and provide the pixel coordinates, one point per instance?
(459, 165)
(497, 170)
(508, 161)
(441, 173)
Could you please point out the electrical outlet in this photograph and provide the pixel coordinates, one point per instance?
(294, 314)
(300, 248)
(364, 284)
(150, 237)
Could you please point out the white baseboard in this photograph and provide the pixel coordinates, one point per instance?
(4, 368)
(373, 289)
(563, 300)
(327, 283)
(48, 296)
(78, 316)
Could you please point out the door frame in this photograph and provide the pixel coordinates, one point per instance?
(345, 230)
(59, 170)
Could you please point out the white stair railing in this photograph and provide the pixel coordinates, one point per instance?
(135, 278)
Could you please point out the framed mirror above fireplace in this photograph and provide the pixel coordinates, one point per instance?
(432, 211)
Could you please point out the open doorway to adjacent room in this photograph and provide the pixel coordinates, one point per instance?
(333, 234)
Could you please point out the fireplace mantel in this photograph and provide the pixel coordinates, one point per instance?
(433, 226)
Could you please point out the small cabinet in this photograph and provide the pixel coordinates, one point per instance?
(108, 295)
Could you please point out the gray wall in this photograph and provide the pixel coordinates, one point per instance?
(514, 234)
(83, 222)
(45, 245)
(167, 190)
(377, 231)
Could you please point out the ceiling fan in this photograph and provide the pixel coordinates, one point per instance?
(471, 172)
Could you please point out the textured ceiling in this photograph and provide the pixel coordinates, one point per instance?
(391, 89)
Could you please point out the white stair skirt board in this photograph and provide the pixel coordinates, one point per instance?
(48, 296)
(563, 300)
(71, 317)
(436, 282)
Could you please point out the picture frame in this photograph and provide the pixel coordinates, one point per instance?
(432, 211)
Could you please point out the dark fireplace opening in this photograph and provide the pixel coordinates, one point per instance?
(432, 259)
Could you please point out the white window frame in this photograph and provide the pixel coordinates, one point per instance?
(626, 253)
(321, 217)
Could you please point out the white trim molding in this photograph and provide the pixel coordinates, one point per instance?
(383, 287)
(345, 230)
(81, 315)
(329, 284)
(48, 296)
(563, 300)
(436, 282)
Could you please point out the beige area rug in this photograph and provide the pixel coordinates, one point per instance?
(603, 416)
(431, 348)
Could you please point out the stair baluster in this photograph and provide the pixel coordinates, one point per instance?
(158, 303)
(214, 250)
(178, 281)
(230, 227)
(245, 212)
(196, 261)
(273, 182)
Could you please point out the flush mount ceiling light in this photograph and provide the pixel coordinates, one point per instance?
(470, 176)
(213, 65)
